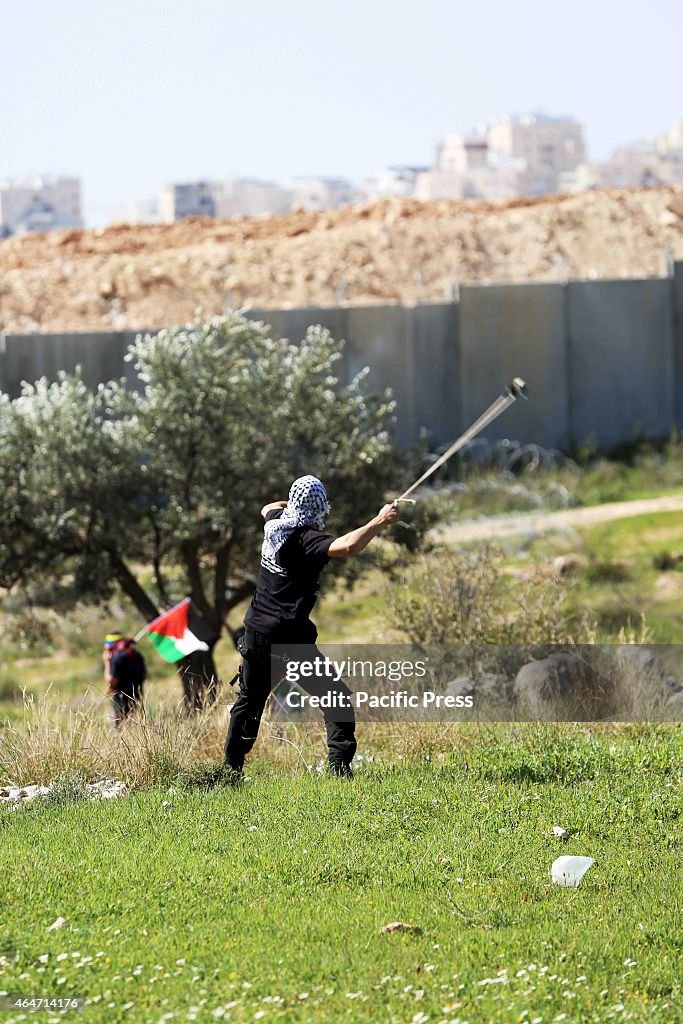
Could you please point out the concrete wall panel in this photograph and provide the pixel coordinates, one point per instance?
(621, 360)
(31, 356)
(435, 370)
(511, 331)
(380, 337)
(677, 301)
(293, 323)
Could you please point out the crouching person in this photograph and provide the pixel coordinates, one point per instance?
(295, 551)
(125, 673)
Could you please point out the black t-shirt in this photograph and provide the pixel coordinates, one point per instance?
(128, 669)
(286, 593)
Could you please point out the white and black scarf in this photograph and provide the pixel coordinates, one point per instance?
(307, 506)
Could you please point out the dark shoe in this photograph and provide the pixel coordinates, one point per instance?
(234, 773)
(340, 769)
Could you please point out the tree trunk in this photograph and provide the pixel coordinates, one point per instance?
(132, 588)
(200, 680)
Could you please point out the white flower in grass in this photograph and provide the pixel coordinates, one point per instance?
(44, 958)
(420, 1018)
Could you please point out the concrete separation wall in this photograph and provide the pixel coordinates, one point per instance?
(27, 357)
(677, 304)
(603, 359)
(413, 350)
(621, 358)
(516, 331)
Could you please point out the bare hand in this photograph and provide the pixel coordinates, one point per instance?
(387, 515)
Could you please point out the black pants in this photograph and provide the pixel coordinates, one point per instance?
(123, 704)
(255, 686)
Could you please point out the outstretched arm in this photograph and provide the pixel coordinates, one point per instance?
(355, 541)
(271, 508)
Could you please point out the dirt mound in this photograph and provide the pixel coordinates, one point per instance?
(397, 250)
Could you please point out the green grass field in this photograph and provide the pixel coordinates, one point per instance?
(267, 902)
(621, 580)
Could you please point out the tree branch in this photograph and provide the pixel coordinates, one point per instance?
(189, 551)
(156, 563)
(220, 575)
(132, 588)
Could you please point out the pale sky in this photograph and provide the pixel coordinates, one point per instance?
(134, 93)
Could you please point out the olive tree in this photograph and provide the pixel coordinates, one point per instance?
(158, 490)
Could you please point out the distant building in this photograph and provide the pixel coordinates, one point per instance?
(399, 180)
(461, 153)
(190, 199)
(317, 193)
(672, 141)
(40, 204)
(488, 182)
(546, 146)
(650, 162)
(237, 197)
(466, 168)
(437, 184)
(249, 197)
(524, 154)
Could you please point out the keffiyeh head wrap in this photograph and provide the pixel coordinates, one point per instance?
(307, 506)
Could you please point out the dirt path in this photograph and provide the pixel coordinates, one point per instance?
(496, 527)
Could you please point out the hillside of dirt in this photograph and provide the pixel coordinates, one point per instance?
(397, 250)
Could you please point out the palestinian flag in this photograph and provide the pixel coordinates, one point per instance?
(176, 633)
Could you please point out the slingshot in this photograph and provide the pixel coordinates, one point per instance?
(515, 389)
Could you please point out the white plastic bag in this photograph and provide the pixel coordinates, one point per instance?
(568, 871)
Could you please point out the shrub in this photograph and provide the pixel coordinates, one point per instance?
(466, 597)
(607, 571)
